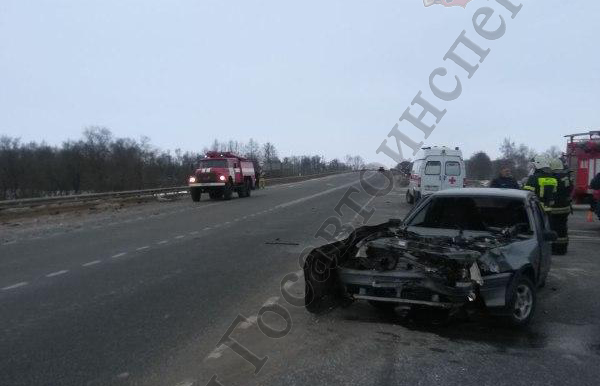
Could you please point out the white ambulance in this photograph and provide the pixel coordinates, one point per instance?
(435, 168)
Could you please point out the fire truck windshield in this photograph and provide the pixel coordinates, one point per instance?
(213, 163)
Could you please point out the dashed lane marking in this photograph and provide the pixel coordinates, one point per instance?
(180, 236)
(118, 255)
(21, 284)
(91, 263)
(57, 273)
(142, 248)
(187, 382)
(163, 242)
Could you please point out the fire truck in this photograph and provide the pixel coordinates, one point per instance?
(220, 174)
(583, 158)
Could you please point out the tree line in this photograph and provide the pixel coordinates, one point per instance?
(101, 162)
(515, 157)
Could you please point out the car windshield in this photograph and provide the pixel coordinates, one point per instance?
(213, 163)
(472, 213)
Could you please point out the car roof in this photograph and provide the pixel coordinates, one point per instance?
(484, 192)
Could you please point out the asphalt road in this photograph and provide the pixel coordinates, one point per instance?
(144, 296)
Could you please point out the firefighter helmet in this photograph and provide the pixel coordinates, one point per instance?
(540, 162)
(556, 164)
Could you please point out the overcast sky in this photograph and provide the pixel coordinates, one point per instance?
(326, 77)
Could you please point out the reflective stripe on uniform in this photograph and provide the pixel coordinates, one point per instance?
(547, 181)
(562, 210)
(562, 240)
(527, 187)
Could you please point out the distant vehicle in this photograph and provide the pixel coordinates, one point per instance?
(435, 168)
(220, 174)
(381, 169)
(462, 249)
(583, 158)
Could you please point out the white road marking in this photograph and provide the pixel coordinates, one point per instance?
(163, 242)
(207, 228)
(187, 382)
(194, 233)
(249, 322)
(300, 200)
(91, 263)
(180, 236)
(21, 284)
(118, 255)
(217, 352)
(271, 301)
(227, 222)
(57, 273)
(142, 248)
(582, 231)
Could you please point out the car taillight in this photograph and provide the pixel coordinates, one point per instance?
(192, 179)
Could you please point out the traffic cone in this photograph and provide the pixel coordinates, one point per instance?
(590, 216)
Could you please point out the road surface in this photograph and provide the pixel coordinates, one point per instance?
(143, 296)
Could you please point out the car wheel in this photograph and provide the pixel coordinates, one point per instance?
(227, 192)
(195, 193)
(521, 301)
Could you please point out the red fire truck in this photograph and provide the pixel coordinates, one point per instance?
(583, 157)
(220, 174)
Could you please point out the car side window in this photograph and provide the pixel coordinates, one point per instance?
(433, 168)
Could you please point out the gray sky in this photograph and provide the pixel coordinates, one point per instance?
(326, 77)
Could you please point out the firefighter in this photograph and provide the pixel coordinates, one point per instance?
(552, 186)
(261, 183)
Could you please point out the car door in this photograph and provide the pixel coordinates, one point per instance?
(544, 247)
(431, 179)
(453, 175)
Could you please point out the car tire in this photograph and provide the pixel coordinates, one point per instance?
(227, 192)
(196, 193)
(521, 301)
(560, 249)
(409, 198)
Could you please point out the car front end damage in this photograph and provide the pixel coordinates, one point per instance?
(389, 264)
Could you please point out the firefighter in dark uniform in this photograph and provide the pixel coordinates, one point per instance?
(553, 187)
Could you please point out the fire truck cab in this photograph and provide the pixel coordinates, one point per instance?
(583, 157)
(220, 174)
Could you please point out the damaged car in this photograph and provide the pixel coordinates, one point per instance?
(459, 249)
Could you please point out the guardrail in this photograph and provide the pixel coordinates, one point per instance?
(29, 202)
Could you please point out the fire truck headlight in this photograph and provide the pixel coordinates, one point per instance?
(222, 178)
(192, 180)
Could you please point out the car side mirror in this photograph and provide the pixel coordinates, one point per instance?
(550, 236)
